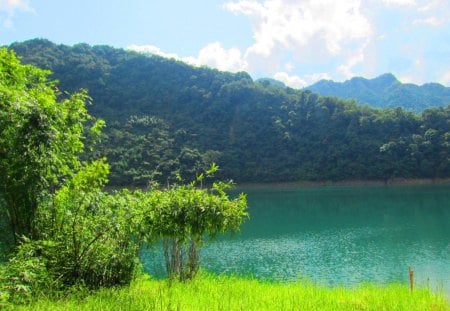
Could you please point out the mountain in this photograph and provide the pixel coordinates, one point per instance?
(166, 117)
(270, 81)
(386, 91)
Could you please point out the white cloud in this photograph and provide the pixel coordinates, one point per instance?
(432, 5)
(216, 56)
(308, 32)
(289, 66)
(151, 49)
(246, 7)
(416, 73)
(292, 81)
(430, 21)
(212, 55)
(400, 2)
(445, 78)
(405, 78)
(434, 13)
(9, 7)
(354, 58)
(292, 25)
(296, 41)
(299, 82)
(312, 78)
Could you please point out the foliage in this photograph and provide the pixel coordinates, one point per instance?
(386, 91)
(25, 276)
(40, 139)
(85, 237)
(256, 131)
(71, 232)
(184, 215)
(6, 238)
(146, 149)
(168, 117)
(87, 232)
(66, 230)
(210, 292)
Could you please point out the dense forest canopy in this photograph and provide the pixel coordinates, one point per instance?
(165, 117)
(386, 91)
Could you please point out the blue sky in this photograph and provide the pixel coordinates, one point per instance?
(295, 41)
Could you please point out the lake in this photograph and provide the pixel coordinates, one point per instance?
(342, 235)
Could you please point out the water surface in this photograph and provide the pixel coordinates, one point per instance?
(338, 236)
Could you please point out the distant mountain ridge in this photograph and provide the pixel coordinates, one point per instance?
(386, 91)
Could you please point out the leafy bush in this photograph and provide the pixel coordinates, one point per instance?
(25, 276)
(87, 230)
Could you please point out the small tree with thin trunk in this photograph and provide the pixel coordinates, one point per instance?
(184, 215)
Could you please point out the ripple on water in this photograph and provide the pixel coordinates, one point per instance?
(337, 236)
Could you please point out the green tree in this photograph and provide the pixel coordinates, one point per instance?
(145, 149)
(184, 215)
(67, 231)
(41, 139)
(263, 133)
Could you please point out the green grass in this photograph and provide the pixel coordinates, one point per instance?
(210, 292)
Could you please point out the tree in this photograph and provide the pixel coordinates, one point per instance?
(41, 139)
(66, 230)
(262, 133)
(184, 215)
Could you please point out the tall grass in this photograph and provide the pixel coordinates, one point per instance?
(211, 292)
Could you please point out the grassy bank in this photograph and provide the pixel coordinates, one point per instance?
(209, 292)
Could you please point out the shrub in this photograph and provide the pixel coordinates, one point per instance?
(25, 276)
(87, 231)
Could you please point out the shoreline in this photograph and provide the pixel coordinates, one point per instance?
(318, 184)
(343, 183)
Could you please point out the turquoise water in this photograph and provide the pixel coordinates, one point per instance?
(337, 235)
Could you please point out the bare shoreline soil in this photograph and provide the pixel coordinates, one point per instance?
(314, 184)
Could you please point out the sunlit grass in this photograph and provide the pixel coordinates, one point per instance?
(210, 292)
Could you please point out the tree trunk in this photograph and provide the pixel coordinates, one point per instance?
(193, 259)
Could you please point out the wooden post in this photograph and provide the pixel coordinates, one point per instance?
(411, 278)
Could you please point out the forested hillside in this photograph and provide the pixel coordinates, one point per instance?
(164, 117)
(386, 91)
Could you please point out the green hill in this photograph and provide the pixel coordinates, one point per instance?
(386, 91)
(165, 116)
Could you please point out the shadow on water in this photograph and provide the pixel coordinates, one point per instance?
(338, 235)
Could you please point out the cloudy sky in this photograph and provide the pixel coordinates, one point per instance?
(295, 41)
